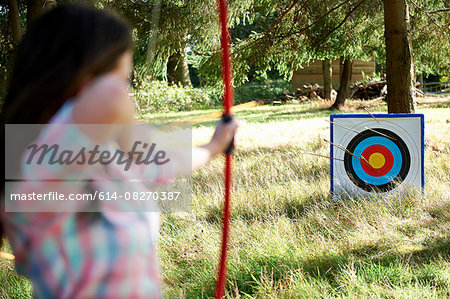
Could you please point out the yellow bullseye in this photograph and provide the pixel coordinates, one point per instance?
(376, 160)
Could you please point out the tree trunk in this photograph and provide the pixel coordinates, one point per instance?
(421, 86)
(399, 59)
(344, 83)
(36, 7)
(327, 73)
(14, 19)
(177, 69)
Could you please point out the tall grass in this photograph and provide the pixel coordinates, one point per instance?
(289, 239)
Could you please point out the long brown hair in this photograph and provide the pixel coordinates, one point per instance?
(59, 50)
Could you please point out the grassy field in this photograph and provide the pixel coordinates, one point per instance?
(289, 239)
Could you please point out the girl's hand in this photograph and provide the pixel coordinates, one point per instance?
(219, 144)
(222, 137)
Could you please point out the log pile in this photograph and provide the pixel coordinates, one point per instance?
(366, 91)
(304, 94)
(311, 91)
(369, 90)
(374, 90)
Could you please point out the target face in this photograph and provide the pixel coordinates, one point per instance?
(376, 155)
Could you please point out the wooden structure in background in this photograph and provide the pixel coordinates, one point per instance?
(312, 73)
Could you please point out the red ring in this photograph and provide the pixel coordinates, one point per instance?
(388, 160)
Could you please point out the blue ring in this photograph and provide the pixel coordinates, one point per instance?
(396, 154)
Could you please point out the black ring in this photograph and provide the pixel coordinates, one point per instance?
(406, 161)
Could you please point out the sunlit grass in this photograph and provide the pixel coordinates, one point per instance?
(289, 239)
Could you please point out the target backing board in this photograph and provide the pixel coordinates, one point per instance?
(376, 155)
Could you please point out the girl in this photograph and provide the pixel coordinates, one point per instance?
(72, 66)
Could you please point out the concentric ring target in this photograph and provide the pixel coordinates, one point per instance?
(384, 160)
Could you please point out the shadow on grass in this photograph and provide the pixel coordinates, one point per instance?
(380, 253)
(370, 263)
(377, 263)
(438, 102)
(392, 270)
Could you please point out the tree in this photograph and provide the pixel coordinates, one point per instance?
(311, 30)
(306, 31)
(344, 84)
(327, 71)
(399, 58)
(14, 19)
(279, 36)
(160, 50)
(14, 16)
(177, 69)
(429, 37)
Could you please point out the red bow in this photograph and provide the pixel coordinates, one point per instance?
(227, 104)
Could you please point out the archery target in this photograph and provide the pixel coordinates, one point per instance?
(378, 155)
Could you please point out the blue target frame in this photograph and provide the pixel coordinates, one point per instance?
(381, 120)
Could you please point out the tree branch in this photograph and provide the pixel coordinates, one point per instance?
(439, 10)
(341, 23)
(313, 23)
(428, 15)
(281, 17)
(274, 23)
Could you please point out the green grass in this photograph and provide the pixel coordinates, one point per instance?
(289, 239)
(12, 285)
